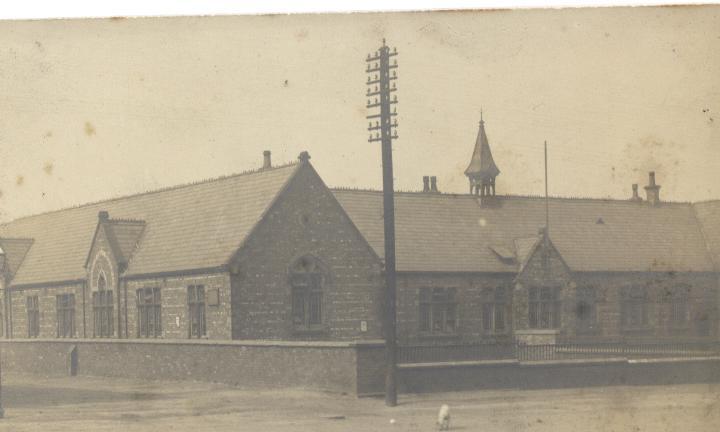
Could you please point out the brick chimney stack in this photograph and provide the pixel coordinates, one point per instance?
(426, 184)
(433, 184)
(267, 161)
(635, 197)
(652, 190)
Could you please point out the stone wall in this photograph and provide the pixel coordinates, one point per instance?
(174, 313)
(327, 366)
(354, 367)
(48, 310)
(306, 220)
(702, 304)
(468, 289)
(544, 375)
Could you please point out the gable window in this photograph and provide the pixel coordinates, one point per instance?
(495, 310)
(148, 312)
(196, 311)
(633, 307)
(438, 310)
(306, 285)
(65, 315)
(586, 309)
(33, 316)
(103, 309)
(544, 307)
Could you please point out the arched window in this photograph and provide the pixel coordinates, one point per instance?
(103, 323)
(102, 282)
(306, 280)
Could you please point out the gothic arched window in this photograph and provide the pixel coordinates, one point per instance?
(306, 280)
(102, 282)
(103, 323)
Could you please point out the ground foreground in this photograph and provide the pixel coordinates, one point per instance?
(100, 404)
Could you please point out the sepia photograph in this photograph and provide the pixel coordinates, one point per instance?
(500, 220)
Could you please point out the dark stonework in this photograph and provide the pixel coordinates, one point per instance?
(306, 220)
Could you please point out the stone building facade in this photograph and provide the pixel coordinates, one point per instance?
(299, 270)
(274, 254)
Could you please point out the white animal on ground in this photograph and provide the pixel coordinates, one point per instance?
(443, 420)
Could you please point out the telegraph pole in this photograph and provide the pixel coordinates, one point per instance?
(382, 128)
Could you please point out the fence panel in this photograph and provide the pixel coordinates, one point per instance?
(553, 352)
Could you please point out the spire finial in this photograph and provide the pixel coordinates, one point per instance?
(481, 118)
(383, 41)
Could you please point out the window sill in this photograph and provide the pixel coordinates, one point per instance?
(426, 335)
(311, 330)
(492, 333)
(538, 331)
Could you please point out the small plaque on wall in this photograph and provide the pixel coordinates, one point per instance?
(213, 297)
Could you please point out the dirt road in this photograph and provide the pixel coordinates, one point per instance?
(95, 404)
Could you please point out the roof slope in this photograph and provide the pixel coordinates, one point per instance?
(125, 235)
(443, 232)
(186, 227)
(708, 213)
(15, 250)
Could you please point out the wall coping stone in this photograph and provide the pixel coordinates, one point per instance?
(559, 363)
(537, 331)
(453, 364)
(674, 360)
(583, 362)
(211, 342)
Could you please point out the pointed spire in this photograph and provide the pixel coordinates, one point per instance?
(482, 169)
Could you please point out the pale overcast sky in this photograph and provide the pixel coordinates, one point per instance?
(92, 109)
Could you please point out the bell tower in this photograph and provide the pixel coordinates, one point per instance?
(482, 169)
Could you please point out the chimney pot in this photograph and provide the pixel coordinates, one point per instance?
(267, 161)
(433, 184)
(426, 184)
(635, 196)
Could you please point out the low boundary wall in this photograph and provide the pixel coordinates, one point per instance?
(505, 374)
(342, 367)
(326, 366)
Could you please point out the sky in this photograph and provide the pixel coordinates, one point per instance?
(95, 109)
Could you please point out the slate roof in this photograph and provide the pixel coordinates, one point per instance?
(482, 165)
(708, 213)
(125, 235)
(15, 250)
(185, 227)
(452, 233)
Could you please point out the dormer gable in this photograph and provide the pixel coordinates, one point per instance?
(539, 261)
(115, 240)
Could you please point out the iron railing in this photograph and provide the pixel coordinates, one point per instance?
(430, 353)
(456, 352)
